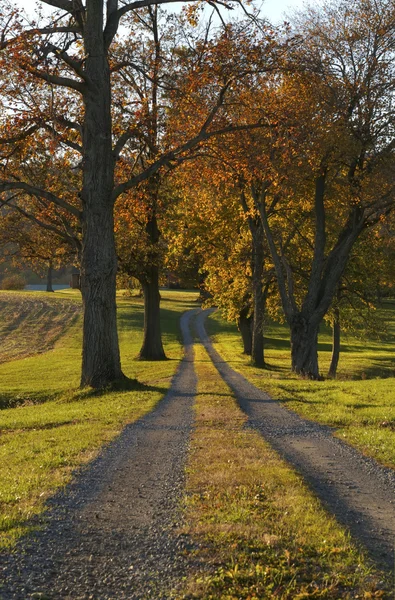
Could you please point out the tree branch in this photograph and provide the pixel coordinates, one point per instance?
(22, 136)
(73, 64)
(56, 79)
(57, 135)
(41, 224)
(113, 20)
(33, 191)
(73, 7)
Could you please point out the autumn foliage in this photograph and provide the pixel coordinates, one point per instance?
(262, 155)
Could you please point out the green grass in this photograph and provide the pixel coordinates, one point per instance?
(259, 532)
(359, 405)
(51, 427)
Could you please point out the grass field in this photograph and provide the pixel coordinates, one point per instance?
(359, 404)
(261, 532)
(48, 426)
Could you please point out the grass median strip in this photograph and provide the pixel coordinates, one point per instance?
(48, 427)
(261, 533)
(359, 405)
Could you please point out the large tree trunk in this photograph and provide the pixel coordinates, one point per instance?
(101, 364)
(152, 348)
(49, 277)
(304, 342)
(244, 324)
(335, 344)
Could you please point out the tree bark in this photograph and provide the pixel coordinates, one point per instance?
(335, 344)
(152, 348)
(101, 365)
(304, 343)
(259, 300)
(49, 277)
(244, 324)
(257, 354)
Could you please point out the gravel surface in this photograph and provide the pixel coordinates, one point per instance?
(359, 492)
(113, 532)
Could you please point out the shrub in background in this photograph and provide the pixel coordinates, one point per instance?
(13, 282)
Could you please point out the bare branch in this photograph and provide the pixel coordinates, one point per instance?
(34, 191)
(113, 20)
(41, 224)
(58, 136)
(73, 7)
(66, 5)
(74, 64)
(122, 140)
(56, 79)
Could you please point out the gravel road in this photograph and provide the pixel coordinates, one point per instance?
(359, 492)
(113, 532)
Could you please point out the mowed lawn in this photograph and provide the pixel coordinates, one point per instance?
(48, 427)
(359, 404)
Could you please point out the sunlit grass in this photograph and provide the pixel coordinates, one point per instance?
(360, 404)
(260, 533)
(53, 427)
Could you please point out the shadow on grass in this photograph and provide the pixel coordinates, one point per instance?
(14, 401)
(122, 385)
(382, 368)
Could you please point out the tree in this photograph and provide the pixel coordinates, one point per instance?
(369, 271)
(27, 244)
(57, 80)
(339, 178)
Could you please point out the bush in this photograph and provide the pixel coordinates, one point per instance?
(13, 282)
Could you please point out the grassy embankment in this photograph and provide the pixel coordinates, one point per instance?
(262, 534)
(48, 426)
(359, 404)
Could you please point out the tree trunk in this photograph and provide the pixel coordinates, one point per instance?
(101, 366)
(244, 324)
(49, 277)
(335, 344)
(258, 352)
(152, 348)
(304, 342)
(259, 300)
